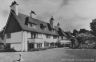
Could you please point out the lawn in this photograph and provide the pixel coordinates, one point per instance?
(52, 55)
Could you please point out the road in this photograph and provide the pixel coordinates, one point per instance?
(52, 55)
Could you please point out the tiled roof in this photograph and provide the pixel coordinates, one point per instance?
(21, 20)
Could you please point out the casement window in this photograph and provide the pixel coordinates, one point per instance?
(48, 36)
(55, 37)
(34, 35)
(9, 35)
(54, 30)
(43, 27)
(46, 44)
(39, 45)
(40, 36)
(31, 25)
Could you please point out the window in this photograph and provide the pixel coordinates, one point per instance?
(8, 35)
(31, 25)
(39, 45)
(48, 36)
(46, 44)
(54, 37)
(34, 35)
(42, 27)
(54, 30)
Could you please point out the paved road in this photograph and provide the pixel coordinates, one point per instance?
(52, 55)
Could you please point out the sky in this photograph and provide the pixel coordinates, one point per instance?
(71, 14)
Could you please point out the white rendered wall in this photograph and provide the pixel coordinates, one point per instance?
(15, 40)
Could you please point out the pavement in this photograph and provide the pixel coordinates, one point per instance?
(51, 55)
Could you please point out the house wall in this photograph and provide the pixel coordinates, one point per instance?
(41, 38)
(26, 35)
(19, 40)
(17, 47)
(15, 40)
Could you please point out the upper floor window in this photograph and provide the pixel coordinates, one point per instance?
(8, 35)
(55, 37)
(34, 35)
(31, 25)
(42, 26)
(48, 36)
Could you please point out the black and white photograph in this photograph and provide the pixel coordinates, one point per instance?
(47, 30)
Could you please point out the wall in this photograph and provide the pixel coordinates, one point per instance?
(19, 40)
(15, 40)
(17, 47)
(24, 42)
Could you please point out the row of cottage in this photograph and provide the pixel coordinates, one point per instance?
(22, 32)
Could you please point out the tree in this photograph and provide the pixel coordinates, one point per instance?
(93, 26)
(83, 31)
(75, 32)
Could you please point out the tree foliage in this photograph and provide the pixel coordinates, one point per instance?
(93, 25)
(75, 32)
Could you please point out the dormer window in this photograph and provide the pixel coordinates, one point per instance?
(42, 26)
(54, 30)
(26, 20)
(31, 25)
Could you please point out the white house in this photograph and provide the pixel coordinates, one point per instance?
(23, 32)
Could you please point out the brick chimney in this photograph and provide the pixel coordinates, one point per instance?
(14, 7)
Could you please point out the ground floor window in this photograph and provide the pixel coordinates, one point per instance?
(46, 44)
(52, 44)
(39, 45)
(30, 46)
(1, 45)
(8, 46)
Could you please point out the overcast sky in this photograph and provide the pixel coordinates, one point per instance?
(72, 14)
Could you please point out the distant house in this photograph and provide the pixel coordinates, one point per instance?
(2, 42)
(23, 32)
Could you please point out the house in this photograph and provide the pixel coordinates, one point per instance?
(2, 42)
(23, 32)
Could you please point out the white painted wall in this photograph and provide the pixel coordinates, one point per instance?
(17, 47)
(19, 40)
(41, 38)
(15, 38)
(26, 35)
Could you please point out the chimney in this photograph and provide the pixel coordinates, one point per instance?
(14, 7)
(51, 21)
(32, 12)
(58, 24)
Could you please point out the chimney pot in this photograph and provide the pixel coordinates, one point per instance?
(14, 7)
